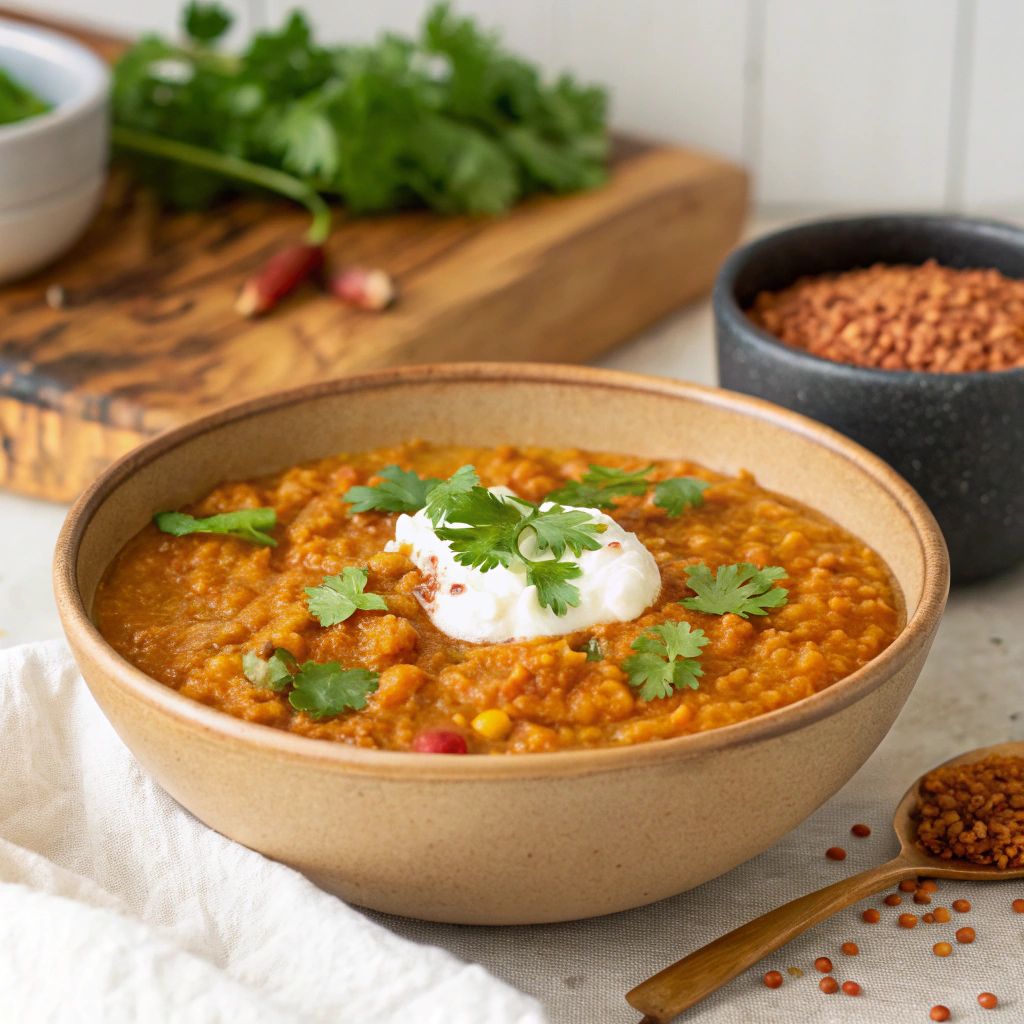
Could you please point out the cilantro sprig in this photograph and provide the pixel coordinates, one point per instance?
(318, 689)
(486, 530)
(404, 491)
(337, 597)
(601, 485)
(665, 659)
(401, 491)
(741, 589)
(246, 524)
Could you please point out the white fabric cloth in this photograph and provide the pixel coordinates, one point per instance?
(116, 905)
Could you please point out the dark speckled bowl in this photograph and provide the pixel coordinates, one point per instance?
(958, 438)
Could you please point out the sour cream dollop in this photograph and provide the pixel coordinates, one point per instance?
(620, 579)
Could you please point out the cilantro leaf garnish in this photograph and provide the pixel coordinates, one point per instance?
(485, 530)
(484, 540)
(742, 589)
(322, 690)
(554, 590)
(593, 650)
(272, 674)
(600, 486)
(556, 529)
(401, 491)
(335, 599)
(443, 493)
(319, 690)
(245, 524)
(665, 659)
(674, 495)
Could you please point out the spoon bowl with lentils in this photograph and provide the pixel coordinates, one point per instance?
(962, 820)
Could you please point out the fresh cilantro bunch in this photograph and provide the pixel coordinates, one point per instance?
(601, 485)
(247, 524)
(742, 589)
(665, 659)
(319, 690)
(449, 120)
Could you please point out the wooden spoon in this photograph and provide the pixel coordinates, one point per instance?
(689, 980)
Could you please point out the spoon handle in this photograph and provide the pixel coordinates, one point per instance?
(689, 980)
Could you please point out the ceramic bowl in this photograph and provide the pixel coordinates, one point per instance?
(52, 165)
(956, 437)
(513, 839)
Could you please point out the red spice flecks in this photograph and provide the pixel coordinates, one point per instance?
(614, 544)
(456, 589)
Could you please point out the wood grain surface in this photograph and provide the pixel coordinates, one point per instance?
(148, 338)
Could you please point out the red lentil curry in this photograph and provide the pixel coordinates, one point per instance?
(186, 609)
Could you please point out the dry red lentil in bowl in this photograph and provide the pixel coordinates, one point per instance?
(900, 317)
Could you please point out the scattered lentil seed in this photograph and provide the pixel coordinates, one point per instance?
(893, 900)
(907, 920)
(773, 979)
(850, 948)
(1018, 905)
(871, 916)
(861, 831)
(941, 915)
(908, 885)
(961, 906)
(922, 897)
(830, 985)
(795, 972)
(823, 964)
(851, 988)
(835, 853)
(939, 1013)
(928, 918)
(987, 1001)
(929, 885)
(942, 949)
(965, 935)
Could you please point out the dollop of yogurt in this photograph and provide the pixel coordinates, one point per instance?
(620, 579)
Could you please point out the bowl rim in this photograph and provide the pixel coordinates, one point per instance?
(92, 74)
(727, 307)
(285, 746)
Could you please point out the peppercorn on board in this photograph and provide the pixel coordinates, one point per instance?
(140, 333)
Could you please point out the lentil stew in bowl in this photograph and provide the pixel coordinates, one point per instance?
(494, 839)
(215, 616)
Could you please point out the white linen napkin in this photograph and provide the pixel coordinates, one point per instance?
(116, 905)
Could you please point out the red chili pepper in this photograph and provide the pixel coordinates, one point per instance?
(364, 289)
(281, 274)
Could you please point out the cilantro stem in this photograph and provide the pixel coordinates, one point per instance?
(233, 167)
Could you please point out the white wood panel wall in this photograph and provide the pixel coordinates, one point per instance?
(856, 103)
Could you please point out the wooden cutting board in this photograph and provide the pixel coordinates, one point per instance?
(148, 338)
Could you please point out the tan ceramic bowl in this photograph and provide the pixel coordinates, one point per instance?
(535, 837)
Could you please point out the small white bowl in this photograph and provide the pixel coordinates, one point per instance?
(50, 164)
(34, 234)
